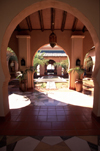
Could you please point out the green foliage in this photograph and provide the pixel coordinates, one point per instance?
(11, 55)
(62, 85)
(88, 62)
(39, 60)
(22, 76)
(64, 64)
(9, 49)
(79, 70)
(43, 85)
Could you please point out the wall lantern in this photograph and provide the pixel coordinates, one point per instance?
(53, 39)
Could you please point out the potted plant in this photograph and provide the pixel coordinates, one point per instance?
(23, 79)
(78, 82)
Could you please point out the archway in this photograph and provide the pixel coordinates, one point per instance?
(12, 62)
(56, 56)
(28, 11)
(51, 69)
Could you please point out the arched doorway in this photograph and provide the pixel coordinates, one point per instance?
(12, 62)
(50, 68)
(28, 11)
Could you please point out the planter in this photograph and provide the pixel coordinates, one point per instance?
(79, 85)
(23, 85)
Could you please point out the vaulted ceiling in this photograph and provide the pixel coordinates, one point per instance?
(51, 19)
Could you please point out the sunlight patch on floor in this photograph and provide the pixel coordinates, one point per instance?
(73, 98)
(18, 101)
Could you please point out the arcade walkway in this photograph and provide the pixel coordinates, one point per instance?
(50, 120)
(49, 114)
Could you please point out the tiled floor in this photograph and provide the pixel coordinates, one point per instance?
(55, 121)
(49, 114)
(50, 143)
(50, 120)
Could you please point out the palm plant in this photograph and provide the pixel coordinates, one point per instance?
(22, 75)
(11, 55)
(88, 62)
(79, 70)
(39, 60)
(64, 64)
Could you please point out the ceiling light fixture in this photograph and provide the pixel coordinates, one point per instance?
(53, 39)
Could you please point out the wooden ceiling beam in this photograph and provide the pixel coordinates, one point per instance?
(41, 20)
(74, 24)
(52, 18)
(18, 28)
(29, 23)
(84, 28)
(63, 20)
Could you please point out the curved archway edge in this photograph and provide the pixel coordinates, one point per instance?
(43, 5)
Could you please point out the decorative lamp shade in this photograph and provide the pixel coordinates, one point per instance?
(52, 39)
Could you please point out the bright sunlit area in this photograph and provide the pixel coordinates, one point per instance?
(18, 101)
(62, 98)
(73, 98)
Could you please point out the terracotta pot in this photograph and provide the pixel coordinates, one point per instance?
(23, 85)
(79, 85)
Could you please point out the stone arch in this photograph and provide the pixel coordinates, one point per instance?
(33, 8)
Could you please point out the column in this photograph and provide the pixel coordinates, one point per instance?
(24, 54)
(76, 53)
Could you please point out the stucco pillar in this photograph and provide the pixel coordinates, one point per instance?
(59, 71)
(96, 79)
(24, 53)
(16, 66)
(76, 53)
(42, 70)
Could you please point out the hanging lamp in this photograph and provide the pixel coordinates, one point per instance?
(52, 39)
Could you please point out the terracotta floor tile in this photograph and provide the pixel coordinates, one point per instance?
(8, 132)
(80, 126)
(94, 132)
(81, 118)
(60, 112)
(43, 107)
(58, 132)
(45, 132)
(51, 107)
(34, 125)
(69, 126)
(31, 132)
(13, 118)
(83, 132)
(45, 125)
(58, 125)
(2, 125)
(78, 112)
(70, 133)
(52, 118)
(42, 118)
(11, 125)
(59, 108)
(22, 118)
(43, 112)
(23, 125)
(32, 118)
(68, 112)
(71, 118)
(62, 118)
(51, 112)
(35, 112)
(15, 112)
(21, 132)
(91, 125)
